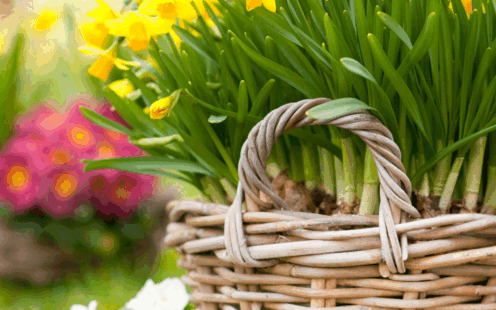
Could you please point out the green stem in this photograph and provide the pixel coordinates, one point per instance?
(327, 171)
(442, 170)
(220, 147)
(449, 187)
(370, 195)
(281, 155)
(338, 166)
(474, 173)
(310, 163)
(490, 198)
(348, 169)
(229, 188)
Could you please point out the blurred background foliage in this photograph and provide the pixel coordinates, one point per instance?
(100, 258)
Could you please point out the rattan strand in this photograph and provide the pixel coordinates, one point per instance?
(272, 258)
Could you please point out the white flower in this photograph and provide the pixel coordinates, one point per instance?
(170, 294)
(91, 306)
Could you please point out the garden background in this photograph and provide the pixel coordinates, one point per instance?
(43, 68)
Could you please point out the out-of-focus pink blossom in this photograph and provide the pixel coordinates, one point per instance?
(21, 185)
(41, 166)
(43, 121)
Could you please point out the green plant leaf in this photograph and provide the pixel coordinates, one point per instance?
(280, 71)
(104, 122)
(386, 107)
(195, 43)
(354, 66)
(148, 94)
(448, 150)
(215, 119)
(148, 163)
(401, 87)
(339, 107)
(262, 97)
(392, 24)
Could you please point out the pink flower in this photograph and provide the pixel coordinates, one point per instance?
(43, 121)
(123, 195)
(21, 185)
(66, 190)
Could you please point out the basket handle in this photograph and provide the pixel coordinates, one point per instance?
(395, 187)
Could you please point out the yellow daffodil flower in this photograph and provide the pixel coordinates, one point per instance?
(269, 4)
(103, 13)
(138, 29)
(107, 60)
(467, 4)
(122, 87)
(168, 9)
(45, 20)
(161, 108)
(96, 33)
(146, 110)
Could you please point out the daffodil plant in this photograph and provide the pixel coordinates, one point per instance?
(208, 71)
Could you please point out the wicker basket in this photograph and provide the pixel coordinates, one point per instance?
(273, 258)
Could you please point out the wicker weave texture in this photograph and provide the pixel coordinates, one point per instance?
(269, 257)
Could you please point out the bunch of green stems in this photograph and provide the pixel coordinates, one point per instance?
(426, 68)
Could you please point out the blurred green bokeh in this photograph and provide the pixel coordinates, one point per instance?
(112, 285)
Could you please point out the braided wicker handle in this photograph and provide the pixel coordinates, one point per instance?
(395, 187)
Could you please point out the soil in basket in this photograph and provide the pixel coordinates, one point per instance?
(301, 199)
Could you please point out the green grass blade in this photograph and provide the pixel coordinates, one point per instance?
(133, 164)
(104, 122)
(280, 71)
(400, 85)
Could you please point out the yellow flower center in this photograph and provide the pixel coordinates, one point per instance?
(105, 150)
(80, 136)
(138, 39)
(167, 10)
(17, 178)
(122, 193)
(65, 184)
(60, 157)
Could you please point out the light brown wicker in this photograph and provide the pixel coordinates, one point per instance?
(273, 258)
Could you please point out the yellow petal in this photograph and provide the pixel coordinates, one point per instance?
(102, 67)
(251, 4)
(118, 27)
(160, 108)
(91, 50)
(127, 63)
(270, 5)
(167, 9)
(95, 34)
(176, 38)
(138, 45)
(185, 10)
(103, 12)
(160, 26)
(467, 4)
(45, 20)
(148, 7)
(122, 87)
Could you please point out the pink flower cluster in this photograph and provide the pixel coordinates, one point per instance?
(41, 165)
